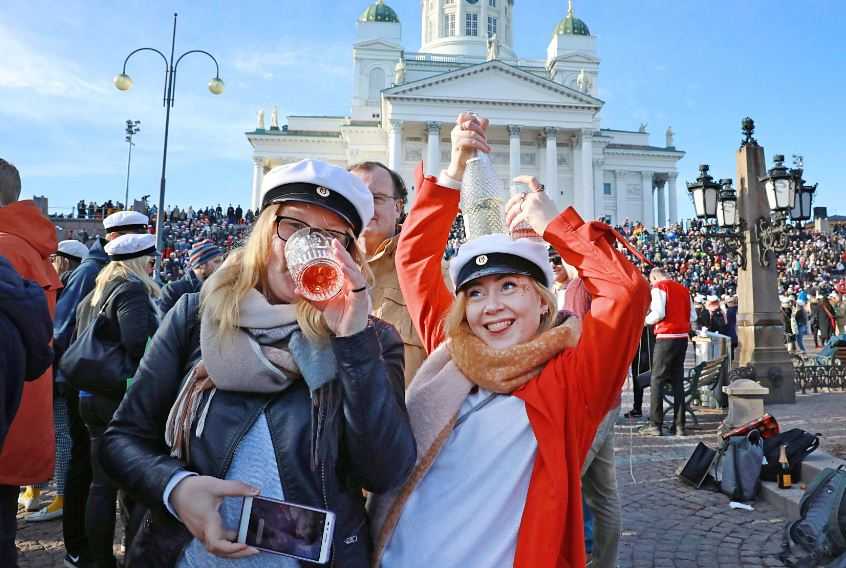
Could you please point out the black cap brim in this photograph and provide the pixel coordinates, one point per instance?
(498, 264)
(316, 195)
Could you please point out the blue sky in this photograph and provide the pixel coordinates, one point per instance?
(699, 66)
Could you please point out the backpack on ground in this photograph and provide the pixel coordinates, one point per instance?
(798, 443)
(740, 466)
(818, 538)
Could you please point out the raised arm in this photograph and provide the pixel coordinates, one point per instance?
(425, 233)
(420, 251)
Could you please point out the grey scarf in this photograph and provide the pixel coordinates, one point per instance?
(266, 354)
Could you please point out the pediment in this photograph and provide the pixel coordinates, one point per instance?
(376, 44)
(496, 82)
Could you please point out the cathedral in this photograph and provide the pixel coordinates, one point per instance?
(544, 113)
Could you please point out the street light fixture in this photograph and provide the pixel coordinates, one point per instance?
(727, 208)
(123, 82)
(705, 193)
(133, 127)
(780, 186)
(804, 200)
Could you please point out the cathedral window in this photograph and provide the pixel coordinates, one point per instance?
(492, 3)
(449, 25)
(491, 26)
(449, 2)
(377, 83)
(471, 24)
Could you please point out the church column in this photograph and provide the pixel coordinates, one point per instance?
(586, 190)
(437, 29)
(620, 193)
(394, 144)
(258, 176)
(662, 202)
(673, 198)
(551, 176)
(514, 151)
(598, 179)
(459, 18)
(483, 19)
(648, 215)
(433, 150)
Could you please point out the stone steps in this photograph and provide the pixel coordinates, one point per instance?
(786, 501)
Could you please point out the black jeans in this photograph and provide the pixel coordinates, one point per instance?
(101, 508)
(78, 480)
(668, 367)
(8, 525)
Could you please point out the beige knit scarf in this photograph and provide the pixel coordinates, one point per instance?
(435, 396)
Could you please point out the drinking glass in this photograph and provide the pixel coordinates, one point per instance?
(316, 274)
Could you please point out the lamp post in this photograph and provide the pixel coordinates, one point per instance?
(132, 128)
(123, 82)
(770, 202)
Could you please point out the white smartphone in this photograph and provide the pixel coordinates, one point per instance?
(301, 532)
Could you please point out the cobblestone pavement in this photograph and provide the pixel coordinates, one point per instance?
(665, 523)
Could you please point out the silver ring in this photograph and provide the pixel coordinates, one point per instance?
(542, 188)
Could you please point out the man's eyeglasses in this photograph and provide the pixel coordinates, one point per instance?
(287, 226)
(380, 198)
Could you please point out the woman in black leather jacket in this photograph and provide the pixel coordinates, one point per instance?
(124, 291)
(259, 391)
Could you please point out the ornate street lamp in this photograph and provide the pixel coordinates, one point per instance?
(804, 200)
(780, 186)
(123, 82)
(727, 208)
(705, 194)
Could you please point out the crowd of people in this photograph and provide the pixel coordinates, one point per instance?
(175, 396)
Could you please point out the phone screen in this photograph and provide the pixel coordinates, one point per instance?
(286, 528)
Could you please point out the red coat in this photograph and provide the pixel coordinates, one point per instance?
(575, 390)
(27, 238)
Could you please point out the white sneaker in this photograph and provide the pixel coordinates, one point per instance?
(44, 514)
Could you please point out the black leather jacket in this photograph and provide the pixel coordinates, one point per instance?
(376, 445)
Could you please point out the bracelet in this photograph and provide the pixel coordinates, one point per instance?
(362, 289)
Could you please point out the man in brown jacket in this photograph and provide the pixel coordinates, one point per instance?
(379, 240)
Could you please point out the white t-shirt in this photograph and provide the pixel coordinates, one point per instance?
(467, 509)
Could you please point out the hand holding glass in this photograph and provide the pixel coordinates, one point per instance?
(312, 265)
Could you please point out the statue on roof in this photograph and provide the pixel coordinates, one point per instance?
(670, 134)
(583, 82)
(274, 119)
(399, 71)
(493, 48)
(260, 120)
(642, 128)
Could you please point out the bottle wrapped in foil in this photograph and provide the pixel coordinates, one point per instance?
(483, 198)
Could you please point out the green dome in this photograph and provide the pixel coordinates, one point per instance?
(571, 25)
(379, 12)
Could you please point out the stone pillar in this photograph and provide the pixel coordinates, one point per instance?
(513, 151)
(433, 149)
(620, 194)
(576, 161)
(598, 179)
(673, 198)
(662, 202)
(258, 176)
(760, 325)
(460, 10)
(648, 217)
(551, 181)
(588, 205)
(394, 144)
(437, 29)
(483, 20)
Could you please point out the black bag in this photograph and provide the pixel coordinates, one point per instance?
(695, 471)
(799, 445)
(96, 365)
(740, 471)
(819, 537)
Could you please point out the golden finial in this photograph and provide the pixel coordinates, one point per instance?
(569, 8)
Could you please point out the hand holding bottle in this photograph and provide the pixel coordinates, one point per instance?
(468, 135)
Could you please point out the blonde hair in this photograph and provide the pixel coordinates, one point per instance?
(246, 269)
(124, 269)
(457, 313)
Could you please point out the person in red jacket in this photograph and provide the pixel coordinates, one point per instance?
(671, 312)
(498, 478)
(27, 239)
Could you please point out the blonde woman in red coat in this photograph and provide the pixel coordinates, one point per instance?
(497, 478)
